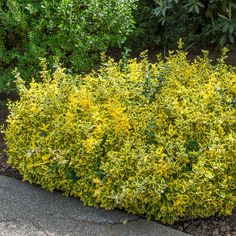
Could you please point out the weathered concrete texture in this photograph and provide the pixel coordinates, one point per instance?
(28, 210)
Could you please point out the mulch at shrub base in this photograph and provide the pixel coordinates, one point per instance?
(212, 226)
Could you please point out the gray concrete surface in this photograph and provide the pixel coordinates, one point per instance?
(27, 210)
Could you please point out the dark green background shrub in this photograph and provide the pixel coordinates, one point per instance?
(210, 20)
(147, 32)
(154, 139)
(73, 31)
(199, 23)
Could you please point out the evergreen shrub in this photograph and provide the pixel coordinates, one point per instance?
(71, 30)
(154, 139)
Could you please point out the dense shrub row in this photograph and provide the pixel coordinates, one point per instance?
(73, 31)
(154, 139)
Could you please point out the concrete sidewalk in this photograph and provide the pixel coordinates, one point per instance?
(27, 210)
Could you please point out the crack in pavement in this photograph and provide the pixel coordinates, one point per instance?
(39, 227)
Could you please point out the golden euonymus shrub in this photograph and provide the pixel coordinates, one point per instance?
(154, 139)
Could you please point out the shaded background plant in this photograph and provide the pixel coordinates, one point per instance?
(210, 18)
(198, 22)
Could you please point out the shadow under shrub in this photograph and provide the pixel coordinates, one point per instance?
(153, 139)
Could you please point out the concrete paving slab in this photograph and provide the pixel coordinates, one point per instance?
(29, 210)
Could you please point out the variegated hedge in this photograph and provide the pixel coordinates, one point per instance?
(155, 139)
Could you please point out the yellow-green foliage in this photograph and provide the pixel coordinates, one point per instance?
(154, 139)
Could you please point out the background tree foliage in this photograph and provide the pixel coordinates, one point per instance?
(197, 22)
